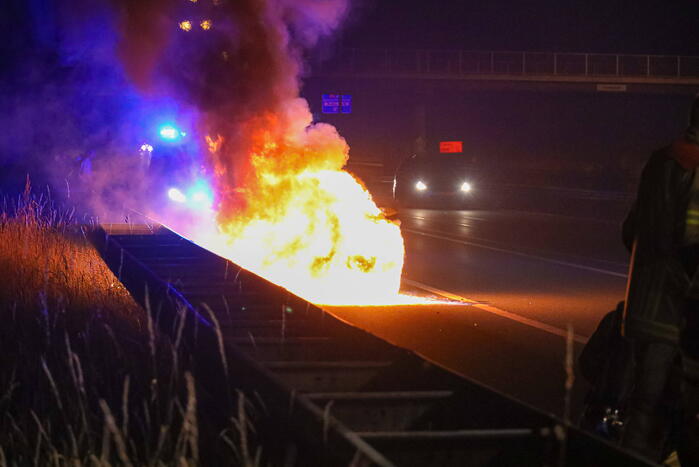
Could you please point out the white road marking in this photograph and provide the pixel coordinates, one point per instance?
(497, 311)
(517, 253)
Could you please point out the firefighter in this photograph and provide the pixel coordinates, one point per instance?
(656, 296)
(689, 336)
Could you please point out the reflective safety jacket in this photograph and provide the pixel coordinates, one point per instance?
(655, 231)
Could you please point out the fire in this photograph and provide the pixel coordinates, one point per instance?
(299, 220)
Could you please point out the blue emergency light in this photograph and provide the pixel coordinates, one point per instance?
(170, 132)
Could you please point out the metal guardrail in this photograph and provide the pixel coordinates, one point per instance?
(331, 394)
(462, 62)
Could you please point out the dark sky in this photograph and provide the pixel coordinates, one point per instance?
(612, 26)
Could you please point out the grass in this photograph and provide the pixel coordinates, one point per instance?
(85, 377)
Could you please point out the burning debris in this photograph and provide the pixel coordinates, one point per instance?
(281, 204)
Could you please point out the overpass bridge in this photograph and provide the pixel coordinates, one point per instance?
(591, 71)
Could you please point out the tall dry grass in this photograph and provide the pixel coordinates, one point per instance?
(47, 262)
(85, 377)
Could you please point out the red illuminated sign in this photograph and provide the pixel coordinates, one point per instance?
(450, 147)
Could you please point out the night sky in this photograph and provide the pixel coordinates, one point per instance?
(609, 26)
(614, 26)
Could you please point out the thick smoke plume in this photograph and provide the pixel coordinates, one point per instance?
(242, 78)
(71, 120)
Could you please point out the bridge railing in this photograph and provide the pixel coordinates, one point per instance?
(462, 62)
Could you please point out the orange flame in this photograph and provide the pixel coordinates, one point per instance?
(299, 220)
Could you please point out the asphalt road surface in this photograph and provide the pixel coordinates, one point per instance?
(533, 279)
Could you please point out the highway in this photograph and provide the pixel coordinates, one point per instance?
(528, 275)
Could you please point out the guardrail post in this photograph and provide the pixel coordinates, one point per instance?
(679, 66)
(647, 65)
(587, 64)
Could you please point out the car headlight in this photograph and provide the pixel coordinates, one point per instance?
(420, 186)
(466, 187)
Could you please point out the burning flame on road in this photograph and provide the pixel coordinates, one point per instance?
(302, 222)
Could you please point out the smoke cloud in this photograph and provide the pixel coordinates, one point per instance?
(83, 92)
(65, 103)
(241, 75)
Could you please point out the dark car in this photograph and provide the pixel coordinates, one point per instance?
(437, 180)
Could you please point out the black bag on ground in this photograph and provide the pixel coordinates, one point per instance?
(606, 363)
